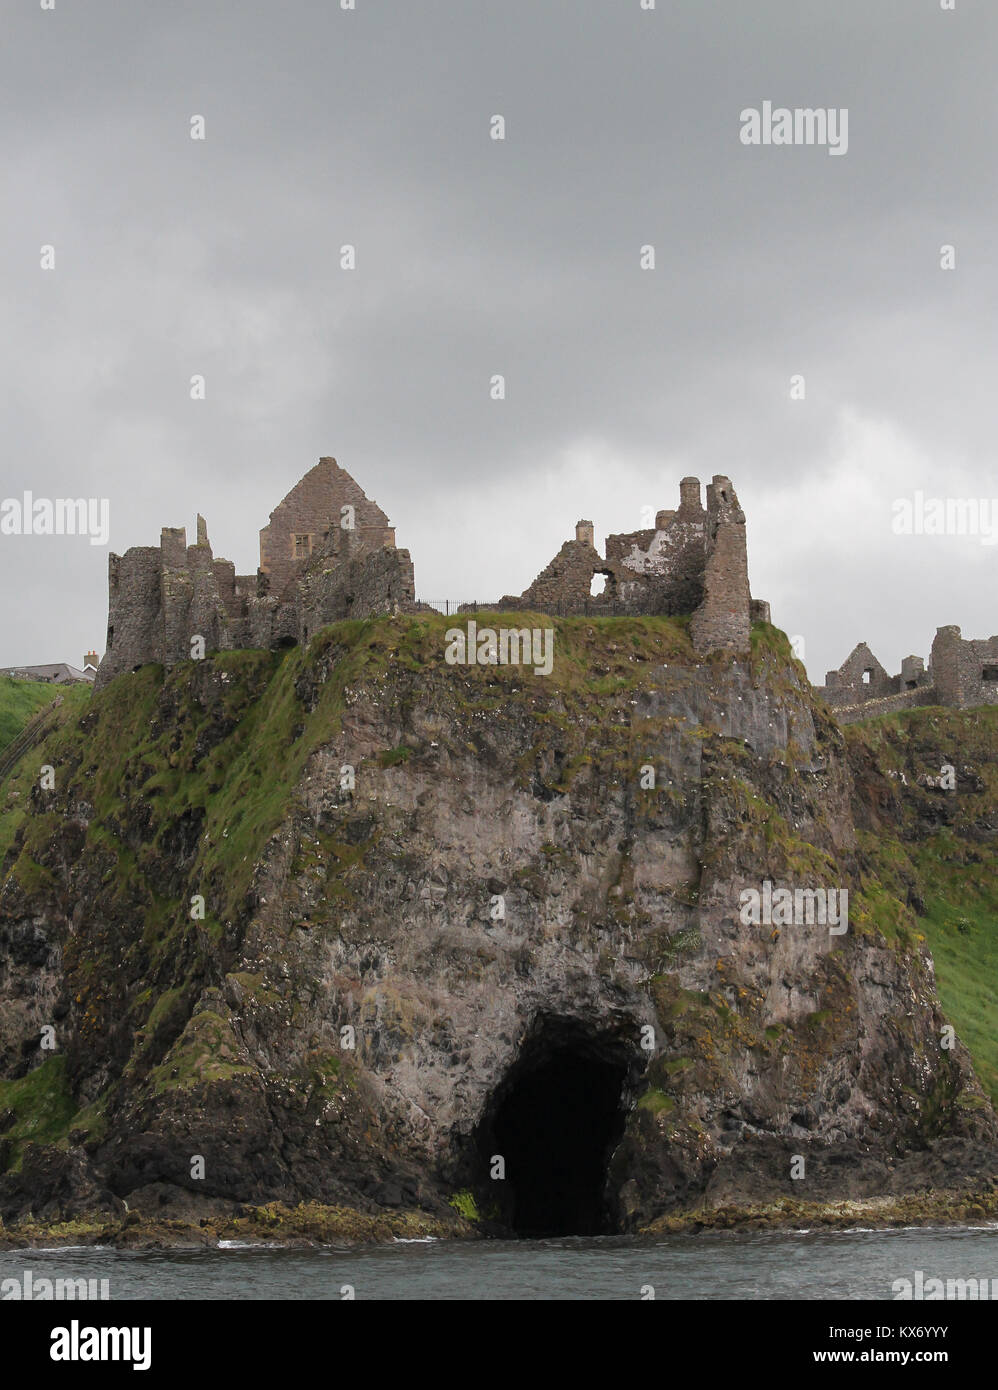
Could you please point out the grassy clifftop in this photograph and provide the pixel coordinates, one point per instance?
(19, 701)
(927, 815)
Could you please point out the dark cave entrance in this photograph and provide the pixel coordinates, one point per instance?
(556, 1120)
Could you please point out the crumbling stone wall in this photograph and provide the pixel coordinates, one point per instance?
(913, 673)
(860, 677)
(722, 622)
(348, 581)
(694, 561)
(564, 586)
(662, 570)
(965, 672)
(885, 704)
(313, 506)
(160, 598)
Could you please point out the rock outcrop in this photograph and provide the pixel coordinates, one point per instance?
(352, 925)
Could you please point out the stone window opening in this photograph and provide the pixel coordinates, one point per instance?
(989, 674)
(597, 586)
(302, 547)
(868, 675)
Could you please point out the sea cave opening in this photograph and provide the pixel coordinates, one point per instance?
(555, 1122)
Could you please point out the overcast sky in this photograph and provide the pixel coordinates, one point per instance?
(475, 257)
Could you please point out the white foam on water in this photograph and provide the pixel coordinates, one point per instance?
(247, 1245)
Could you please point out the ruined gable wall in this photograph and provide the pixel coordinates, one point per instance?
(846, 686)
(312, 508)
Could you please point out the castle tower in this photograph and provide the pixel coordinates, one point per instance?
(722, 622)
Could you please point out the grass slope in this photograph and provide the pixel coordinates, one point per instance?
(934, 855)
(19, 701)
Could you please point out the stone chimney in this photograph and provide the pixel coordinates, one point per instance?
(689, 498)
(584, 533)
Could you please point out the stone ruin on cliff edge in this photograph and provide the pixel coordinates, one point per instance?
(693, 561)
(960, 674)
(329, 553)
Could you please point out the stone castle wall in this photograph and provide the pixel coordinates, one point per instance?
(162, 597)
(347, 580)
(886, 704)
(723, 620)
(965, 672)
(694, 561)
(663, 569)
(311, 509)
(960, 675)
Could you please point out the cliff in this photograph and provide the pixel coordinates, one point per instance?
(347, 924)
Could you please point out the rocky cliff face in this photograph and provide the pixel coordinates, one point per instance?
(352, 925)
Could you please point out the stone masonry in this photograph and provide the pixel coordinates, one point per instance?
(328, 552)
(723, 620)
(694, 561)
(960, 674)
(965, 673)
(161, 598)
(325, 498)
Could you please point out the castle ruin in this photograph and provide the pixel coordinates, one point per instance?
(328, 552)
(961, 673)
(693, 561)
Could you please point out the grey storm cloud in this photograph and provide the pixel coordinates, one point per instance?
(475, 257)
